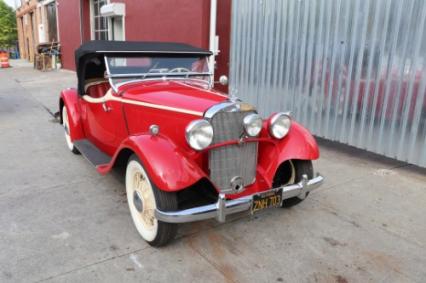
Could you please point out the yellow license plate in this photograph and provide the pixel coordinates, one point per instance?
(266, 200)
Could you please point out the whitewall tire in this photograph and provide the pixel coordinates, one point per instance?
(143, 198)
(65, 124)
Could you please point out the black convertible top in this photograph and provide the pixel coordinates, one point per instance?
(92, 52)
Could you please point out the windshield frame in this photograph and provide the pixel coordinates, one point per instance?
(158, 76)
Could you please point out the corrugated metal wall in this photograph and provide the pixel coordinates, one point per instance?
(352, 71)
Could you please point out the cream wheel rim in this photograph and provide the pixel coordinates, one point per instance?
(65, 123)
(141, 200)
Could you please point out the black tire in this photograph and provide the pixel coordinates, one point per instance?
(164, 201)
(166, 231)
(301, 167)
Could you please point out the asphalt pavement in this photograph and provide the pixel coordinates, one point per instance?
(60, 221)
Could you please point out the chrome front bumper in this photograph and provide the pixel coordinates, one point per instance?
(223, 207)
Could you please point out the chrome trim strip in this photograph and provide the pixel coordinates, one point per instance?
(228, 106)
(224, 106)
(223, 207)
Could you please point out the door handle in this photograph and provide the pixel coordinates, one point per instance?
(106, 107)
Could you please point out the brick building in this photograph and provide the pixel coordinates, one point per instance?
(202, 23)
(36, 23)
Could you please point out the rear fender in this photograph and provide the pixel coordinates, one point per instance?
(69, 98)
(168, 166)
(298, 144)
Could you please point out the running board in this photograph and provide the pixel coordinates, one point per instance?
(93, 154)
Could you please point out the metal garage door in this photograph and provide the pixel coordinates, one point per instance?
(352, 71)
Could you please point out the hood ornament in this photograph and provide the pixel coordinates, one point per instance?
(233, 94)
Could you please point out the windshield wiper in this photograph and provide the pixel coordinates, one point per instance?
(150, 70)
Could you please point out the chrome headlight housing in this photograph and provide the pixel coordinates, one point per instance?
(199, 134)
(279, 125)
(252, 124)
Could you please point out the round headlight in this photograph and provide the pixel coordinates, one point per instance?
(199, 134)
(279, 125)
(252, 124)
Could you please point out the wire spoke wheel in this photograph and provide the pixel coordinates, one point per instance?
(142, 198)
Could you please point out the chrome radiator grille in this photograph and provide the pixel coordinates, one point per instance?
(228, 162)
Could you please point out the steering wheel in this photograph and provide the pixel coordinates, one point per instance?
(180, 70)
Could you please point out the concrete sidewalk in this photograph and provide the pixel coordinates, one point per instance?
(61, 221)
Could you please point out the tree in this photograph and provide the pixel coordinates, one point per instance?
(8, 34)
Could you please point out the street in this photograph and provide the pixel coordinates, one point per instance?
(63, 222)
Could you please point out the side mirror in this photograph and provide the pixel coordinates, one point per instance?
(223, 80)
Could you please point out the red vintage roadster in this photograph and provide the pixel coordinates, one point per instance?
(190, 152)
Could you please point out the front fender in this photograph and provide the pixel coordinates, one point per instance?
(298, 144)
(169, 167)
(69, 98)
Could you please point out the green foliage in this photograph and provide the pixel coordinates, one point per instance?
(8, 33)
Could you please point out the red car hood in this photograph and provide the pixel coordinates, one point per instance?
(174, 94)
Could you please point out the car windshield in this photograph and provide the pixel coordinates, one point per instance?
(122, 70)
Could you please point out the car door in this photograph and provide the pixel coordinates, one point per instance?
(103, 121)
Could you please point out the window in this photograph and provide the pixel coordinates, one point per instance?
(99, 23)
(127, 69)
